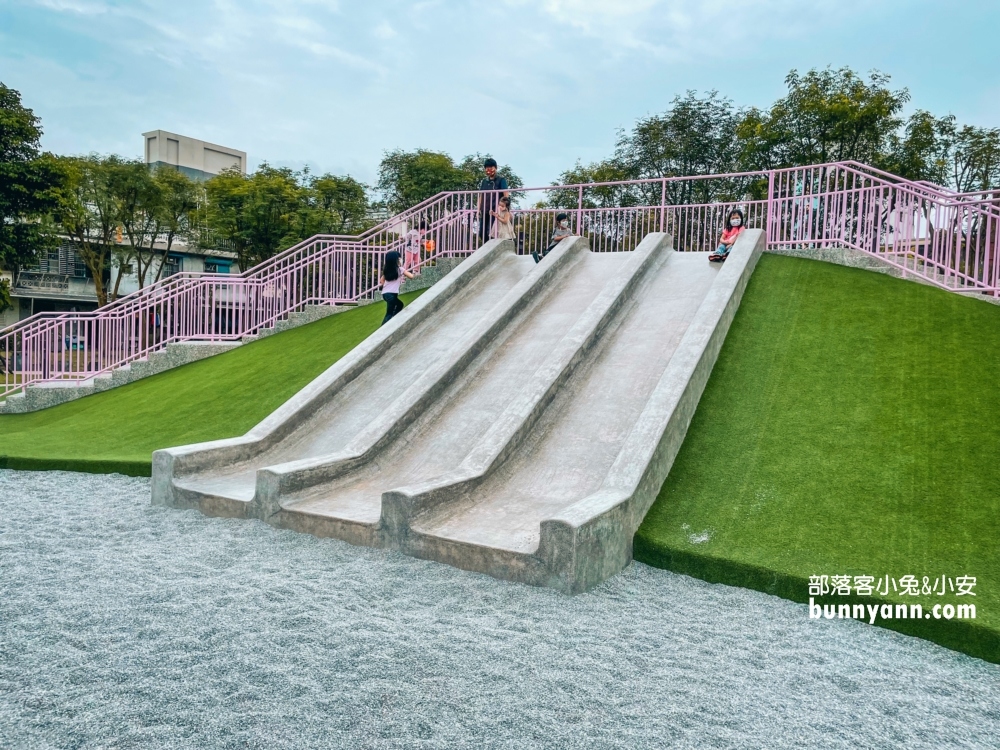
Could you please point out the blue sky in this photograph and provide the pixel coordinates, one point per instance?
(539, 83)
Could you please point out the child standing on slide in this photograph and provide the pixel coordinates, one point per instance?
(390, 280)
(734, 225)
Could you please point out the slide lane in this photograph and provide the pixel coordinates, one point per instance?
(573, 445)
(441, 439)
(331, 425)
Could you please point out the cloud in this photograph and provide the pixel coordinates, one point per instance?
(384, 31)
(682, 29)
(538, 82)
(82, 7)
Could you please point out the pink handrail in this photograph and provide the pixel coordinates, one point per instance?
(947, 239)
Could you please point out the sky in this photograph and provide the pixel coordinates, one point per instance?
(540, 84)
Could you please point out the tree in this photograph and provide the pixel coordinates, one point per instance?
(694, 136)
(178, 204)
(975, 163)
(408, 178)
(828, 115)
(5, 299)
(29, 186)
(136, 196)
(88, 213)
(604, 196)
(257, 215)
(923, 152)
(338, 205)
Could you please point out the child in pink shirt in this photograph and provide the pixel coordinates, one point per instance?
(413, 242)
(734, 225)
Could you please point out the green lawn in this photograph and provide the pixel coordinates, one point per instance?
(220, 397)
(851, 426)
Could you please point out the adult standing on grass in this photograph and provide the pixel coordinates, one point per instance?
(390, 281)
(492, 184)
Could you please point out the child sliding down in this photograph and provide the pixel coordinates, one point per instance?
(734, 225)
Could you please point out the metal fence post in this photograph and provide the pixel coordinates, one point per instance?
(770, 207)
(663, 204)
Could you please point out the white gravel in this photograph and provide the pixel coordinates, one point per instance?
(124, 625)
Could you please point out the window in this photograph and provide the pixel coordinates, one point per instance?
(171, 266)
(213, 265)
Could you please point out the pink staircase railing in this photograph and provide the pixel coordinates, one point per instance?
(947, 239)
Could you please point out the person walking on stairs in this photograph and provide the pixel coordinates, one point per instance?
(390, 281)
(414, 240)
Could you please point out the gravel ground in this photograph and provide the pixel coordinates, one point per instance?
(124, 625)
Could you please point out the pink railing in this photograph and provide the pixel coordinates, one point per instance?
(948, 239)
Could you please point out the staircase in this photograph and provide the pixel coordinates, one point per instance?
(43, 395)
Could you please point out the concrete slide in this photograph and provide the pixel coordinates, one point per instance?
(517, 419)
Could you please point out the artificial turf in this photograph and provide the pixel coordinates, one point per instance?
(851, 426)
(219, 397)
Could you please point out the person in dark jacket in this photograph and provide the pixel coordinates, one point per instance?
(488, 201)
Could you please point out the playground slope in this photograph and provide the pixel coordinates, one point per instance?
(517, 420)
(849, 428)
(218, 397)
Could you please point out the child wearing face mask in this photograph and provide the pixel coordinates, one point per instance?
(562, 231)
(734, 225)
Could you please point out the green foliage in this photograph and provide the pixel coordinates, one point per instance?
(407, 178)
(136, 197)
(827, 115)
(29, 183)
(176, 208)
(151, 203)
(976, 159)
(337, 205)
(5, 300)
(88, 211)
(594, 197)
(923, 152)
(256, 215)
(694, 136)
(105, 195)
(259, 215)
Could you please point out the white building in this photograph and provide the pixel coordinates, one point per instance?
(59, 281)
(199, 160)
